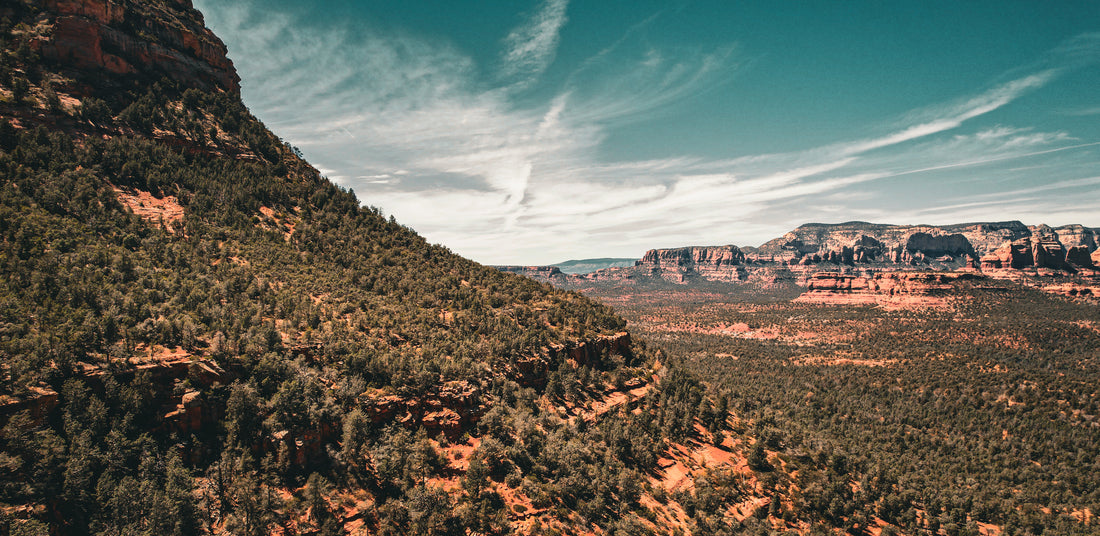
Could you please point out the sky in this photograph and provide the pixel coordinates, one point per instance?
(536, 131)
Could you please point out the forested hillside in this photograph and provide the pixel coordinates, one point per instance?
(201, 334)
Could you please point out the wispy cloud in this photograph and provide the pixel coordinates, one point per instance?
(1082, 111)
(530, 49)
(410, 125)
(936, 120)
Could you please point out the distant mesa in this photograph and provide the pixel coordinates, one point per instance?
(571, 267)
(585, 266)
(860, 247)
(532, 271)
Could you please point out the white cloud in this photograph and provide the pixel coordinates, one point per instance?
(953, 116)
(531, 48)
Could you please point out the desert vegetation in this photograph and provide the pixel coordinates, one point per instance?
(981, 417)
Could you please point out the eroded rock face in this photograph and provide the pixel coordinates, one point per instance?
(860, 247)
(449, 407)
(1015, 255)
(856, 243)
(989, 246)
(37, 402)
(723, 263)
(1078, 256)
(709, 255)
(952, 245)
(989, 236)
(128, 37)
(1048, 253)
(890, 289)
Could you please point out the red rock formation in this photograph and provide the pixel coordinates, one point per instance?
(952, 245)
(1048, 253)
(817, 247)
(38, 402)
(991, 262)
(711, 255)
(1076, 235)
(889, 289)
(449, 408)
(187, 417)
(1079, 257)
(301, 447)
(588, 352)
(171, 41)
(1015, 255)
(718, 263)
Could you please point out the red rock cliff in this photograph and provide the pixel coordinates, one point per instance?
(144, 38)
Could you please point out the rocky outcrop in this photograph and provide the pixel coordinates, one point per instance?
(38, 401)
(1048, 253)
(187, 417)
(892, 290)
(1079, 257)
(1015, 255)
(534, 370)
(152, 39)
(722, 263)
(589, 352)
(988, 236)
(712, 255)
(449, 407)
(855, 243)
(953, 245)
(1076, 236)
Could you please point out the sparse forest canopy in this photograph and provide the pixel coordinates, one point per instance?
(927, 419)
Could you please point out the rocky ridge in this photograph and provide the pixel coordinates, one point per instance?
(121, 38)
(1002, 249)
(892, 290)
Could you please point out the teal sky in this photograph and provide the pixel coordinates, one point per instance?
(534, 131)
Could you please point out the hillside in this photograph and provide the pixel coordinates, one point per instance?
(200, 334)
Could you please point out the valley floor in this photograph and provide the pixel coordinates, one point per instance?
(979, 414)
